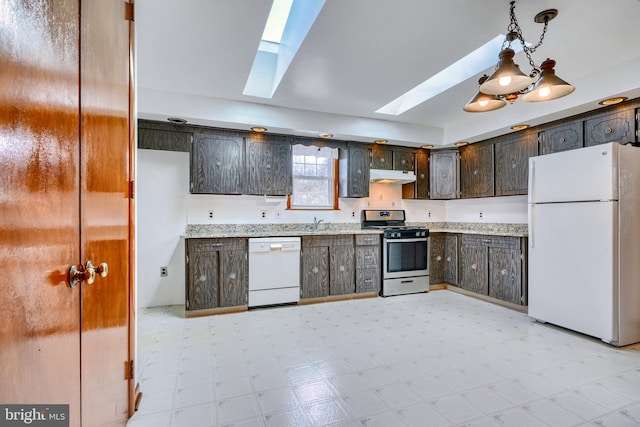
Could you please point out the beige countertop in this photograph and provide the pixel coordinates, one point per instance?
(200, 231)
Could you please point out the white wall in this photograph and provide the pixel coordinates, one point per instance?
(165, 207)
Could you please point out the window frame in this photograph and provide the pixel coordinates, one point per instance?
(336, 176)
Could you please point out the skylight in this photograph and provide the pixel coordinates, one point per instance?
(286, 28)
(472, 64)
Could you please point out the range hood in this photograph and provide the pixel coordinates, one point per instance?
(384, 176)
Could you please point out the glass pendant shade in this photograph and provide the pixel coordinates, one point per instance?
(549, 86)
(507, 78)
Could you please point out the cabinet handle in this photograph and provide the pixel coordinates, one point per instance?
(473, 266)
(218, 163)
(421, 176)
(503, 272)
(475, 172)
(381, 160)
(268, 166)
(232, 276)
(402, 162)
(314, 270)
(448, 259)
(562, 139)
(202, 278)
(341, 268)
(438, 258)
(608, 130)
(359, 172)
(368, 257)
(486, 241)
(513, 166)
(368, 280)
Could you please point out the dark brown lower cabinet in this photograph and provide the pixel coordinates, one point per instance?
(494, 266)
(437, 258)
(368, 274)
(328, 266)
(451, 259)
(216, 273)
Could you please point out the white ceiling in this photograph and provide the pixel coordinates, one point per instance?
(194, 56)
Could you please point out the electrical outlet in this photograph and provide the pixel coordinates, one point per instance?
(163, 272)
(428, 214)
(480, 214)
(353, 214)
(210, 214)
(276, 213)
(263, 214)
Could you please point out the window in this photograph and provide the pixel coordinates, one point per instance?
(314, 172)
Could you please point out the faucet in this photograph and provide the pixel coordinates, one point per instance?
(316, 223)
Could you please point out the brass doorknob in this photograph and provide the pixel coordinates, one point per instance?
(78, 273)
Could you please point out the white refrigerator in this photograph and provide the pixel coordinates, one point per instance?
(584, 241)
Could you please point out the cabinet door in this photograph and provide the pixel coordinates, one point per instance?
(444, 174)
(404, 160)
(563, 137)
(202, 276)
(512, 163)
(217, 164)
(154, 136)
(342, 270)
(315, 272)
(473, 267)
(505, 274)
(436, 268)
(354, 171)
(451, 259)
(268, 165)
(233, 278)
(382, 158)
(420, 188)
(618, 126)
(476, 171)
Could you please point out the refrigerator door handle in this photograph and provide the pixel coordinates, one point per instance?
(532, 219)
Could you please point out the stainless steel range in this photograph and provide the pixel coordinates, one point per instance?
(405, 252)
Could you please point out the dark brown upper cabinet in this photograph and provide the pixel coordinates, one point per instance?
(420, 188)
(404, 160)
(217, 163)
(381, 157)
(354, 170)
(164, 136)
(268, 169)
(476, 171)
(512, 162)
(562, 137)
(616, 126)
(444, 172)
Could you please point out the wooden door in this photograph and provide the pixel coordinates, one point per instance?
(233, 277)
(476, 171)
(505, 274)
(382, 158)
(268, 165)
(404, 160)
(436, 268)
(217, 163)
(341, 270)
(451, 259)
(104, 210)
(566, 136)
(444, 175)
(64, 199)
(39, 203)
(616, 126)
(202, 274)
(512, 162)
(315, 271)
(474, 266)
(422, 175)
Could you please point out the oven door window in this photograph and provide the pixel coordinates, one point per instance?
(403, 255)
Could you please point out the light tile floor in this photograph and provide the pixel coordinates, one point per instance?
(435, 359)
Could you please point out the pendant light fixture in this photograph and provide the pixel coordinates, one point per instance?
(508, 82)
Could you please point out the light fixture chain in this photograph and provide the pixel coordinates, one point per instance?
(515, 28)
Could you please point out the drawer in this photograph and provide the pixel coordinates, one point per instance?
(493, 241)
(368, 280)
(367, 239)
(327, 240)
(209, 245)
(368, 257)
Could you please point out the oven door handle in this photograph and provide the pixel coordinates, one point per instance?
(407, 240)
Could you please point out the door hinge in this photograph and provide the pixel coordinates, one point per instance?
(128, 370)
(128, 11)
(132, 188)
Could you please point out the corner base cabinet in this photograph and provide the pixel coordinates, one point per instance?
(216, 273)
(494, 266)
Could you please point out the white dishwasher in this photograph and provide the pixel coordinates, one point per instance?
(274, 270)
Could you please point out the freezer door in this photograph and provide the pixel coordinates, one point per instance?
(576, 175)
(572, 274)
